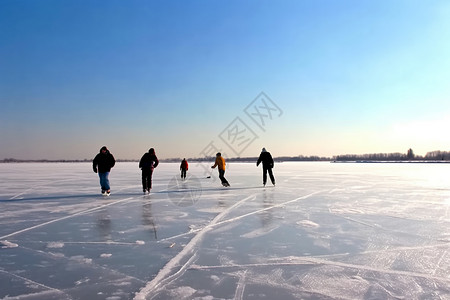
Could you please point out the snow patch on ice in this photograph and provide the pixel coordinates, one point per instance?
(6, 244)
(308, 224)
(81, 281)
(210, 210)
(346, 211)
(138, 242)
(259, 232)
(122, 283)
(182, 292)
(55, 245)
(56, 255)
(225, 260)
(105, 255)
(82, 259)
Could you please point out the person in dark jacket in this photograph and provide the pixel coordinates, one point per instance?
(267, 162)
(102, 164)
(184, 167)
(148, 162)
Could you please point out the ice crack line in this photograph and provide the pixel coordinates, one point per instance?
(34, 282)
(317, 261)
(239, 217)
(162, 275)
(91, 264)
(64, 218)
(239, 294)
(39, 185)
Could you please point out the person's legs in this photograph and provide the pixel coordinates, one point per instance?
(101, 177)
(271, 176)
(144, 180)
(149, 180)
(107, 187)
(264, 175)
(221, 173)
(104, 181)
(222, 177)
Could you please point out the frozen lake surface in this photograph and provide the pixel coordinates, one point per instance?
(326, 231)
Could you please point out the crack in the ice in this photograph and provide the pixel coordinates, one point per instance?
(65, 217)
(238, 217)
(239, 294)
(296, 261)
(33, 282)
(163, 274)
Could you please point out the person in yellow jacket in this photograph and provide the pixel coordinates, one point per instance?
(220, 163)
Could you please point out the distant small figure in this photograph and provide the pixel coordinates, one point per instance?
(267, 162)
(102, 164)
(184, 167)
(220, 163)
(148, 163)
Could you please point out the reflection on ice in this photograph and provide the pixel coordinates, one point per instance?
(326, 231)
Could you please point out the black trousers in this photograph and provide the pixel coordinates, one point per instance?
(221, 176)
(147, 179)
(269, 170)
(183, 173)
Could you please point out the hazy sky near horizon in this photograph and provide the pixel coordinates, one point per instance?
(186, 77)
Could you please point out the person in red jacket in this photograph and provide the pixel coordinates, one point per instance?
(184, 167)
(148, 163)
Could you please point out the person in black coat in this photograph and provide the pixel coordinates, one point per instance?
(267, 162)
(102, 164)
(148, 162)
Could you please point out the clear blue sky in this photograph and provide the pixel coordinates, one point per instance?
(347, 76)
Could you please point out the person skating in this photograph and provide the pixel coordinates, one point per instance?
(184, 167)
(220, 164)
(267, 163)
(102, 164)
(148, 162)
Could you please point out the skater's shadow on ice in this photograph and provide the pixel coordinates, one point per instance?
(129, 194)
(187, 190)
(93, 196)
(50, 198)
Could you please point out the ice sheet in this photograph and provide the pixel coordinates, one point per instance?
(325, 231)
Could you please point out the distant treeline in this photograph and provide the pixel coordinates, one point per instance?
(397, 156)
(437, 155)
(408, 156)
